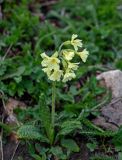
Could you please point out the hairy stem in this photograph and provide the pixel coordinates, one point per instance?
(60, 47)
(65, 43)
(53, 103)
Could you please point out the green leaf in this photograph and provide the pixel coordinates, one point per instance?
(66, 97)
(117, 139)
(2, 68)
(36, 157)
(57, 151)
(6, 127)
(19, 71)
(18, 79)
(46, 118)
(70, 144)
(70, 126)
(41, 150)
(30, 132)
(120, 156)
(91, 146)
(73, 90)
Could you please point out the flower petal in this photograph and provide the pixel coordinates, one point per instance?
(43, 55)
(74, 36)
(68, 55)
(83, 55)
(56, 75)
(68, 76)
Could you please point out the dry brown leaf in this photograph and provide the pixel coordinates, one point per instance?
(13, 104)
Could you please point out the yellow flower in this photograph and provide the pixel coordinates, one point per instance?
(76, 42)
(47, 71)
(56, 75)
(50, 62)
(83, 55)
(68, 76)
(72, 66)
(68, 54)
(43, 55)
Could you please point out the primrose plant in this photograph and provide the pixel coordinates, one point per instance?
(61, 66)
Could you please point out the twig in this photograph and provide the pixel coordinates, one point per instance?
(1, 15)
(115, 100)
(1, 136)
(15, 151)
(95, 107)
(102, 103)
(48, 3)
(1, 142)
(7, 52)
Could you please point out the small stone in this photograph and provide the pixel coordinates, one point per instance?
(111, 114)
(113, 81)
(101, 122)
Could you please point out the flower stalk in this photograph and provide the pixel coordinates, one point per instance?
(53, 104)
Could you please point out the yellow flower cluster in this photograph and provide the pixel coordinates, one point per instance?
(59, 66)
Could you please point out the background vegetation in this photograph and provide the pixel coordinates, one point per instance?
(29, 27)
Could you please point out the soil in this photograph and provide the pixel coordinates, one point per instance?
(84, 152)
(21, 151)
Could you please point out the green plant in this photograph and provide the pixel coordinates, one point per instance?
(117, 141)
(92, 146)
(57, 66)
(31, 27)
(101, 157)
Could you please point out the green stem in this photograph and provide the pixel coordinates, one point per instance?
(65, 43)
(60, 47)
(53, 103)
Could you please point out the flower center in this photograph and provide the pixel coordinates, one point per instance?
(53, 61)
